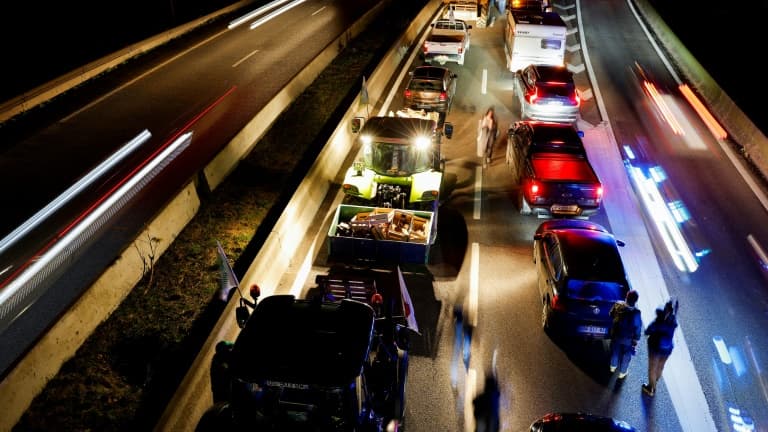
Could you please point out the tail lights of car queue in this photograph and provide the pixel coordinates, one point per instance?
(533, 97)
(534, 190)
(443, 95)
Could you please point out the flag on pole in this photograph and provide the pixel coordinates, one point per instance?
(227, 279)
(364, 93)
(407, 303)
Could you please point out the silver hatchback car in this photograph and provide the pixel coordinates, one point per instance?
(547, 93)
(430, 88)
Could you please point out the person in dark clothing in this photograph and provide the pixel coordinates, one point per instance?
(660, 334)
(626, 331)
(486, 406)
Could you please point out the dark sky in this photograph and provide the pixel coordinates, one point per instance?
(44, 40)
(729, 43)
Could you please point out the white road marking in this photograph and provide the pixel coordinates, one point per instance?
(237, 63)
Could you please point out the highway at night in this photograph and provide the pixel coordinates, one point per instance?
(676, 193)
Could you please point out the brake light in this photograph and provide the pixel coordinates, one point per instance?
(556, 304)
(534, 190)
(443, 96)
(599, 193)
(407, 93)
(531, 97)
(424, 48)
(576, 98)
(461, 50)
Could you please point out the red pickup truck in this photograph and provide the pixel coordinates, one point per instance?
(549, 163)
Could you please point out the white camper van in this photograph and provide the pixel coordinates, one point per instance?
(534, 38)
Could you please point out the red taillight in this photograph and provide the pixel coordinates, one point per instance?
(576, 98)
(532, 96)
(461, 50)
(600, 193)
(424, 47)
(556, 304)
(534, 190)
(407, 93)
(443, 96)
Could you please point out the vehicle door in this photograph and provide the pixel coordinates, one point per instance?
(549, 266)
(521, 141)
(527, 83)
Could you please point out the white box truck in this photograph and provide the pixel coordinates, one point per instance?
(534, 38)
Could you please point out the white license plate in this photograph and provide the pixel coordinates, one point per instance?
(557, 208)
(593, 330)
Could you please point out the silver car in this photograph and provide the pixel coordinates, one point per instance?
(430, 88)
(547, 93)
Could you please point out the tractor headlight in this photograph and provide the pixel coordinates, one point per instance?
(422, 142)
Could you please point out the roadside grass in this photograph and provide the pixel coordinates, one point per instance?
(125, 373)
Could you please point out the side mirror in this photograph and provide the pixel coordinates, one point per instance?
(620, 243)
(580, 133)
(358, 167)
(448, 129)
(357, 124)
(242, 314)
(537, 236)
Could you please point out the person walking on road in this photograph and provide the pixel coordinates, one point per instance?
(462, 345)
(488, 132)
(660, 334)
(486, 406)
(626, 331)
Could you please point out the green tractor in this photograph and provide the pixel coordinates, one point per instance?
(401, 165)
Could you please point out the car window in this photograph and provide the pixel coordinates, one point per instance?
(593, 260)
(591, 290)
(426, 85)
(552, 250)
(556, 89)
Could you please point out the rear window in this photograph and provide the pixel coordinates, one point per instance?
(591, 290)
(426, 85)
(554, 44)
(557, 89)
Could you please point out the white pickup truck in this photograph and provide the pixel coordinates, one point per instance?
(448, 40)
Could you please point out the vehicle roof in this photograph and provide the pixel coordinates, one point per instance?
(590, 252)
(400, 128)
(305, 342)
(560, 135)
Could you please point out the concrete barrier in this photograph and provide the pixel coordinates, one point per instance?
(288, 239)
(43, 361)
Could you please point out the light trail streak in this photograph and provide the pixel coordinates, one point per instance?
(247, 17)
(73, 190)
(271, 15)
(655, 96)
(703, 112)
